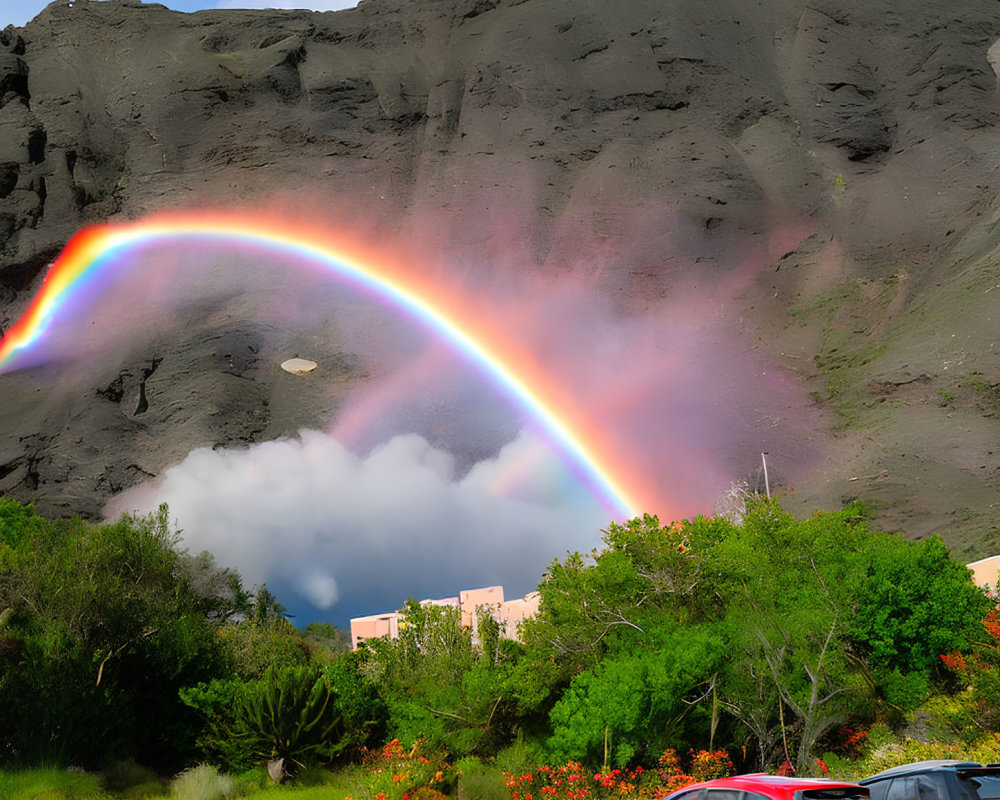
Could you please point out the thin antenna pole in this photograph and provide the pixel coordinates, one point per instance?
(767, 486)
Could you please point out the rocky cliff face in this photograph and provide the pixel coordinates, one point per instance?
(837, 159)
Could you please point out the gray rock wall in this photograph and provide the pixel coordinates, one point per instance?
(848, 150)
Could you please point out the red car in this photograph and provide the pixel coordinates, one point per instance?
(761, 786)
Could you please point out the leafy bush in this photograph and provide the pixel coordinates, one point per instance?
(256, 644)
(219, 740)
(518, 757)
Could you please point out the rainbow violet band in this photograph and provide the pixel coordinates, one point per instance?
(100, 248)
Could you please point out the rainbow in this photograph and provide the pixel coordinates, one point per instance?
(94, 249)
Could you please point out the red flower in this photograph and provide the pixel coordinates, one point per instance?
(954, 661)
(992, 624)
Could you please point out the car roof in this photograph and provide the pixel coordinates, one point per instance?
(937, 765)
(761, 781)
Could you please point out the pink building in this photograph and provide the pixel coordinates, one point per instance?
(508, 613)
(984, 572)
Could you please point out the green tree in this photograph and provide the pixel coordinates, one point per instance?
(640, 700)
(803, 607)
(645, 572)
(788, 592)
(254, 644)
(327, 638)
(914, 603)
(102, 624)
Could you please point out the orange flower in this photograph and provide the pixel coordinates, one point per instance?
(954, 661)
(992, 624)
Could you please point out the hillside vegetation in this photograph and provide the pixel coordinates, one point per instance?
(674, 652)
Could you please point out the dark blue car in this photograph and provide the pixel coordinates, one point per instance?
(936, 780)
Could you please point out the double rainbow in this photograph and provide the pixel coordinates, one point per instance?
(94, 251)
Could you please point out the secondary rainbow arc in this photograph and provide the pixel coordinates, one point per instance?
(93, 248)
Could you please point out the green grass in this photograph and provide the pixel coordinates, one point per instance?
(485, 786)
(845, 317)
(199, 783)
(51, 783)
(301, 793)
(985, 394)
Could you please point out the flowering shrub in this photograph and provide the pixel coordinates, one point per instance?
(572, 781)
(846, 742)
(708, 765)
(392, 772)
(980, 672)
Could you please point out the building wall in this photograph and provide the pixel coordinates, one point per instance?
(984, 572)
(508, 613)
(374, 627)
(471, 599)
(513, 612)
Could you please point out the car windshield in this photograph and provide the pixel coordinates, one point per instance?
(981, 785)
(839, 793)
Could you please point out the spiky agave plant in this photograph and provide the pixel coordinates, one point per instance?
(289, 713)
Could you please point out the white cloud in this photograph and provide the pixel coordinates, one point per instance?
(321, 525)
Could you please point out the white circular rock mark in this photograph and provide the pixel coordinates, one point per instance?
(298, 366)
